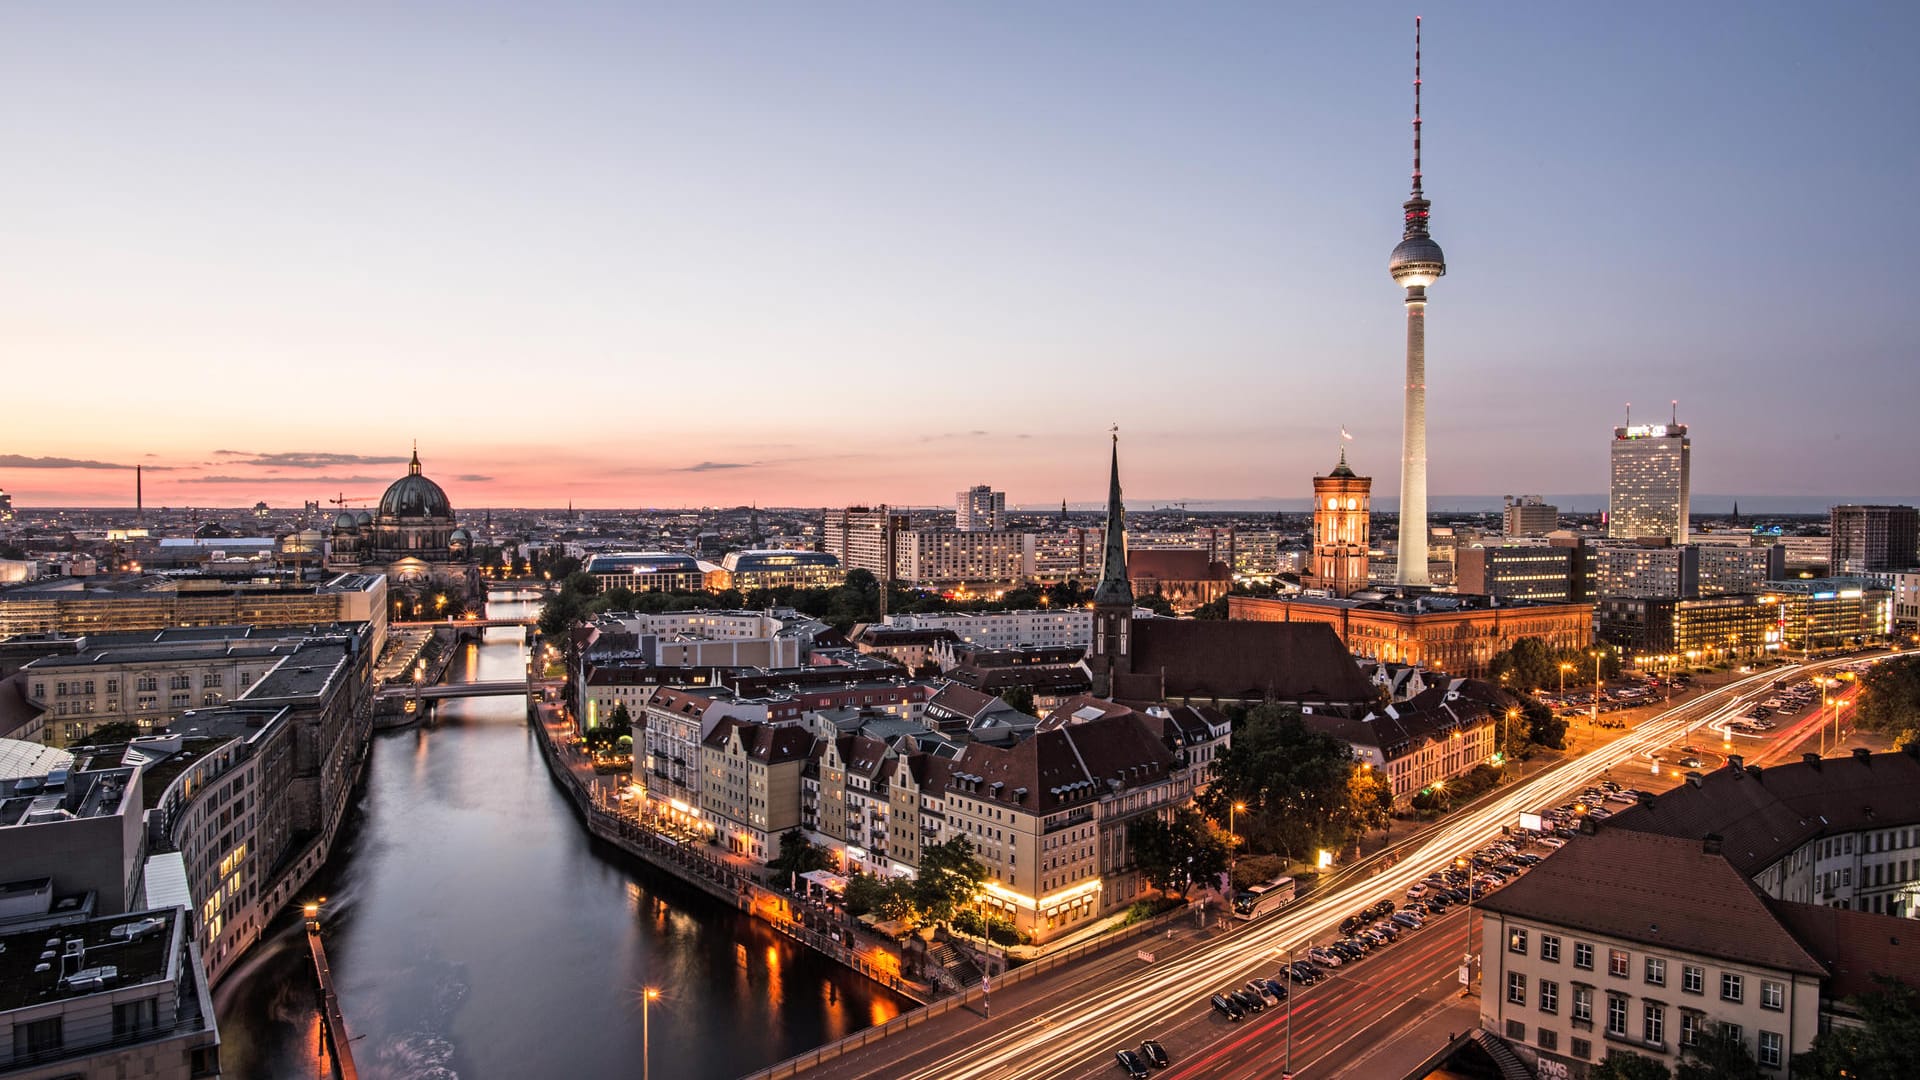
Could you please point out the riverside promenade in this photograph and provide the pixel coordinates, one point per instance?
(729, 879)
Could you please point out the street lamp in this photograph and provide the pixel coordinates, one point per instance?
(1594, 722)
(1564, 668)
(1233, 841)
(1513, 713)
(648, 995)
(1466, 958)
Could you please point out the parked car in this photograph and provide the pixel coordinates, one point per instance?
(1155, 1054)
(1381, 909)
(1132, 1064)
(1259, 986)
(1278, 989)
(1551, 842)
(1418, 890)
(1351, 923)
(1227, 1008)
(1304, 973)
(1249, 1002)
(1324, 957)
(1526, 858)
(1411, 922)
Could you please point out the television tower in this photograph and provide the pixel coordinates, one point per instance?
(1416, 263)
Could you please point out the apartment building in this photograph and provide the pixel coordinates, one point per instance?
(1006, 629)
(952, 557)
(124, 602)
(1421, 743)
(750, 787)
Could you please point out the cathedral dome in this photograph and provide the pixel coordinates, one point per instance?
(346, 521)
(413, 496)
(363, 518)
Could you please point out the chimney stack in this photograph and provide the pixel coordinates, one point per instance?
(1710, 843)
(1863, 755)
(1645, 799)
(139, 496)
(1811, 759)
(1735, 761)
(1694, 778)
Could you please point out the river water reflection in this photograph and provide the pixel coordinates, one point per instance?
(476, 932)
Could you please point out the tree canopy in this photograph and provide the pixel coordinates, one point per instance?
(1883, 1044)
(949, 877)
(1890, 699)
(1627, 1065)
(1174, 855)
(798, 855)
(1297, 786)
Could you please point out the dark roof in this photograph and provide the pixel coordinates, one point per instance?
(1241, 661)
(882, 637)
(956, 700)
(1046, 679)
(16, 711)
(1762, 815)
(1855, 945)
(1656, 890)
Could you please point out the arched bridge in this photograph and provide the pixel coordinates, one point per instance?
(494, 688)
(458, 624)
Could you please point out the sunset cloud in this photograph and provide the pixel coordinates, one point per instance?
(305, 459)
(21, 461)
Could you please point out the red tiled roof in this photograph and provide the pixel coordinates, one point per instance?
(1067, 766)
(1855, 945)
(1656, 890)
(1175, 564)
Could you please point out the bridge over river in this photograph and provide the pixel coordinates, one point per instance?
(491, 688)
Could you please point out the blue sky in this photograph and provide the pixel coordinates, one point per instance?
(636, 255)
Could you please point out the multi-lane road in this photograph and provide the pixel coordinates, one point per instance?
(1075, 1032)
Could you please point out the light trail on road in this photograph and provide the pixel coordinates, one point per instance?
(1080, 1033)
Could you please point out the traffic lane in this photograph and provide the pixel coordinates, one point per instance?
(1354, 998)
(1014, 1006)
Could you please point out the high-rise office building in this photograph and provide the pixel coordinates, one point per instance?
(979, 508)
(1649, 493)
(1341, 512)
(1529, 515)
(1873, 538)
(864, 538)
(1415, 264)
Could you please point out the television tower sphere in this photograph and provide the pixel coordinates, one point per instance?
(1416, 261)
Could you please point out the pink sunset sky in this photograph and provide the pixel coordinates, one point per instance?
(621, 255)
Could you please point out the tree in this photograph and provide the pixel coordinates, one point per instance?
(949, 877)
(1625, 1065)
(1543, 728)
(1020, 697)
(1296, 784)
(1369, 800)
(1890, 700)
(114, 731)
(1213, 609)
(1882, 1045)
(1718, 1055)
(1175, 854)
(864, 893)
(798, 856)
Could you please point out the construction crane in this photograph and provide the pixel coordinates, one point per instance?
(343, 499)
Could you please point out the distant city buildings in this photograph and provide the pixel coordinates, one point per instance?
(1458, 635)
(1650, 491)
(1874, 538)
(1559, 570)
(864, 538)
(1006, 629)
(646, 571)
(1529, 515)
(980, 509)
(114, 603)
(967, 561)
(749, 571)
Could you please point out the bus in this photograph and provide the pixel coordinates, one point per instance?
(1258, 900)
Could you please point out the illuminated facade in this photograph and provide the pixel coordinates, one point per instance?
(864, 538)
(1826, 614)
(647, 571)
(411, 536)
(751, 570)
(1459, 635)
(98, 605)
(1650, 489)
(1342, 509)
(1706, 630)
(979, 509)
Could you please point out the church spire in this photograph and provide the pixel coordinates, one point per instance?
(1114, 587)
(414, 469)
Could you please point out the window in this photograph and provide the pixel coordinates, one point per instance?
(1656, 971)
(1549, 996)
(1516, 988)
(1732, 1032)
(1769, 1055)
(1773, 996)
(1583, 955)
(1618, 962)
(130, 1017)
(36, 1037)
(1550, 948)
(1692, 979)
(1583, 1006)
(1516, 1031)
(1689, 1028)
(1732, 987)
(1617, 1015)
(1549, 1039)
(1582, 1048)
(1517, 941)
(1653, 1020)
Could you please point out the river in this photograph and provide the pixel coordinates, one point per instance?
(476, 932)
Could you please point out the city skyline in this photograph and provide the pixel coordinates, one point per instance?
(442, 237)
